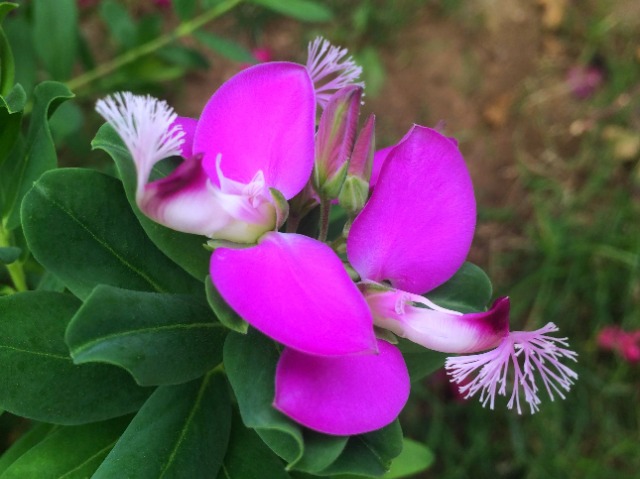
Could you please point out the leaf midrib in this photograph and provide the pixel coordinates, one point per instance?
(99, 241)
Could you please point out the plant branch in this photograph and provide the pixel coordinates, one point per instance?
(183, 30)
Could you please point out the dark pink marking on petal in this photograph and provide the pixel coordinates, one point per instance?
(343, 395)
(261, 119)
(416, 229)
(295, 290)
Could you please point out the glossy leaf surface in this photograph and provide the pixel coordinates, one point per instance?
(79, 226)
(40, 380)
(182, 431)
(159, 338)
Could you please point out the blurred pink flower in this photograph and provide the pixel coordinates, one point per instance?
(583, 81)
(262, 54)
(626, 343)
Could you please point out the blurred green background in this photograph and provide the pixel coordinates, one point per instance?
(544, 97)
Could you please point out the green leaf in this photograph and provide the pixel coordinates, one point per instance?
(39, 154)
(7, 66)
(420, 361)
(183, 57)
(40, 380)
(184, 8)
(181, 431)
(9, 254)
(160, 339)
(72, 452)
(28, 440)
(54, 35)
(79, 225)
(305, 10)
(185, 249)
(6, 7)
(228, 48)
(67, 121)
(369, 454)
(320, 451)
(11, 108)
(120, 24)
(468, 291)
(248, 458)
(414, 458)
(18, 31)
(225, 314)
(250, 363)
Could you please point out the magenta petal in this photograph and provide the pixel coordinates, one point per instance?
(261, 119)
(189, 127)
(182, 200)
(379, 158)
(295, 290)
(410, 316)
(416, 229)
(343, 395)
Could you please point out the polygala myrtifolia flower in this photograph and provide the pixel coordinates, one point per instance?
(251, 150)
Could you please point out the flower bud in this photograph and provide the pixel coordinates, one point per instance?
(334, 141)
(354, 194)
(363, 151)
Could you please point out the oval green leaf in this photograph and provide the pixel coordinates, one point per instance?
(248, 457)
(55, 26)
(250, 363)
(39, 379)
(225, 314)
(160, 339)
(26, 442)
(368, 455)
(37, 156)
(468, 291)
(420, 361)
(69, 452)
(414, 458)
(185, 249)
(181, 431)
(79, 225)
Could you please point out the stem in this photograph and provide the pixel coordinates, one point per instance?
(16, 272)
(292, 223)
(325, 210)
(131, 56)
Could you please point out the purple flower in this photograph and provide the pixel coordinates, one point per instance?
(401, 255)
(583, 80)
(237, 154)
(251, 150)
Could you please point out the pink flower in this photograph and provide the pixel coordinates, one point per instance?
(401, 255)
(250, 151)
(583, 81)
(235, 170)
(626, 343)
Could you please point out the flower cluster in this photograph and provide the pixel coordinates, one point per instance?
(253, 155)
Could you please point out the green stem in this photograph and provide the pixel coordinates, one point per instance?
(325, 210)
(16, 272)
(292, 223)
(184, 29)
